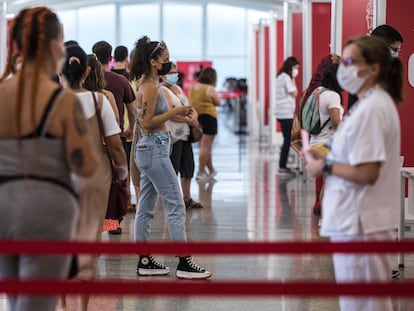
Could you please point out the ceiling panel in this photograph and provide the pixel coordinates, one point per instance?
(16, 5)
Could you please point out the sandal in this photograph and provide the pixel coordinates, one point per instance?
(192, 204)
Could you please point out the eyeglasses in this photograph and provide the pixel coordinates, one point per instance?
(395, 50)
(160, 45)
(349, 61)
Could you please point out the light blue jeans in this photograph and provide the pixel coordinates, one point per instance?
(158, 178)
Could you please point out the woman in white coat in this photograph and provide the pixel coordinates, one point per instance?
(361, 196)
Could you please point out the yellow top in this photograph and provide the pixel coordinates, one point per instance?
(202, 102)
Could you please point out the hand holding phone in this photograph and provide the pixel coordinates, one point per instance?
(306, 148)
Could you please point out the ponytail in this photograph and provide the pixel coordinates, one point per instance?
(394, 80)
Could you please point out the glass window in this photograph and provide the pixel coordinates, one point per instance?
(96, 23)
(226, 30)
(68, 20)
(182, 30)
(235, 67)
(137, 21)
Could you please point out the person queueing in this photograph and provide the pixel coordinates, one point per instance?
(362, 188)
(43, 139)
(331, 112)
(284, 108)
(93, 191)
(182, 156)
(152, 156)
(316, 80)
(392, 38)
(205, 100)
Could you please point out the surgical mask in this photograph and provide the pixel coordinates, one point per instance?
(348, 78)
(171, 78)
(166, 67)
(394, 53)
(295, 72)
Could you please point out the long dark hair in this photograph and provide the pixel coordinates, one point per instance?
(145, 50)
(95, 80)
(288, 65)
(375, 51)
(330, 81)
(75, 65)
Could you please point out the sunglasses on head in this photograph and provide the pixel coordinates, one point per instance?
(160, 45)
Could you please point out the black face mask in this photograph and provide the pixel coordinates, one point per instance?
(166, 67)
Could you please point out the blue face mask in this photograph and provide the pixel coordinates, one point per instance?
(172, 78)
(394, 54)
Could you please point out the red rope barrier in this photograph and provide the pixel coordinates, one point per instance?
(207, 288)
(204, 248)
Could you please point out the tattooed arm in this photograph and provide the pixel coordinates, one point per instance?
(81, 156)
(147, 98)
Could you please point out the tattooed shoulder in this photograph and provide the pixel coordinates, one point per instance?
(79, 118)
(76, 158)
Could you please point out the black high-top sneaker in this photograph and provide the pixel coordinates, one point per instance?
(148, 266)
(187, 269)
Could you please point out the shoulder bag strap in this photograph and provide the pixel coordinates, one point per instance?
(101, 128)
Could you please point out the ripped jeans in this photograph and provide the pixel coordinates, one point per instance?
(158, 178)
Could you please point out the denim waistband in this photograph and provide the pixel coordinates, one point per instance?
(156, 133)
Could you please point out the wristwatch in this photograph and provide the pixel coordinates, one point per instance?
(327, 167)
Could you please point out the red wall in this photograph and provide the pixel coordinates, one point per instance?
(266, 32)
(280, 44)
(399, 15)
(297, 48)
(321, 32)
(357, 18)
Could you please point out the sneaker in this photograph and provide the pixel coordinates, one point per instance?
(148, 266)
(202, 176)
(319, 223)
(285, 172)
(187, 269)
(212, 174)
(116, 231)
(395, 274)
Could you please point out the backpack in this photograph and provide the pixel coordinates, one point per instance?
(310, 113)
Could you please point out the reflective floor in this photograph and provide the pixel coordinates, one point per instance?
(246, 202)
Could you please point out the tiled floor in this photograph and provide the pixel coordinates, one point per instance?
(246, 202)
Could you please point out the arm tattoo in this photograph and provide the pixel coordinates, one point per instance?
(144, 110)
(79, 118)
(76, 158)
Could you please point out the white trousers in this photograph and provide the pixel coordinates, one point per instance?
(363, 268)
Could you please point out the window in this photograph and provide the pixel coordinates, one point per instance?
(182, 30)
(68, 20)
(96, 23)
(137, 21)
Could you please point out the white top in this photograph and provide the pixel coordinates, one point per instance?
(327, 100)
(110, 124)
(284, 107)
(371, 133)
(178, 130)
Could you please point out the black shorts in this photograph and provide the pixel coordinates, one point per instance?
(127, 147)
(208, 123)
(182, 159)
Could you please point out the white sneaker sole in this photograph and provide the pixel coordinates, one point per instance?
(192, 275)
(151, 272)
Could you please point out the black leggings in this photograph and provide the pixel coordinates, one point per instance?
(286, 125)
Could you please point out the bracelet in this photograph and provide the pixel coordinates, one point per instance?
(327, 167)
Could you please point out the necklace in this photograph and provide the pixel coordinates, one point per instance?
(151, 79)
